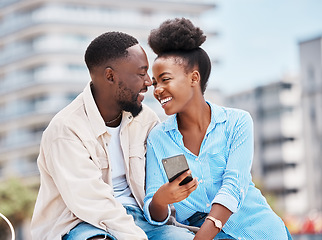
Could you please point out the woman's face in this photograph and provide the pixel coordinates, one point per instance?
(172, 84)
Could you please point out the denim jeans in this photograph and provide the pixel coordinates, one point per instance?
(84, 230)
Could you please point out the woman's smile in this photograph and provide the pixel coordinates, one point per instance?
(165, 100)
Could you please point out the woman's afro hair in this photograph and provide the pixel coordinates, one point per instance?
(174, 35)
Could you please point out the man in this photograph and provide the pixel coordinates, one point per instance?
(92, 154)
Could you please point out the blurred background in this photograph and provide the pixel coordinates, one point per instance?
(267, 59)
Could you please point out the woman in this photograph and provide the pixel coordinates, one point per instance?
(216, 141)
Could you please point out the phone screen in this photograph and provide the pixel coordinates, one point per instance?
(175, 166)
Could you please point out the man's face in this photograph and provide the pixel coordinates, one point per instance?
(132, 79)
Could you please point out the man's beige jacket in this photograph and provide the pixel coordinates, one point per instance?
(75, 175)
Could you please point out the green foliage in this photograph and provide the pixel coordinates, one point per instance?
(17, 200)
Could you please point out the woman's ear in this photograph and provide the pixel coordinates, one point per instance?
(108, 73)
(195, 78)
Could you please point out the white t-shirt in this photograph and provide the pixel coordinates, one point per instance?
(122, 191)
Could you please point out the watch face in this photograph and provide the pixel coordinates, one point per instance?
(218, 224)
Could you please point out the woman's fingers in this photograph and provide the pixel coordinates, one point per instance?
(179, 179)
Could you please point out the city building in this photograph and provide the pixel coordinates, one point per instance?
(42, 43)
(311, 84)
(278, 165)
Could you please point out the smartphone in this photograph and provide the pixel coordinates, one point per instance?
(176, 165)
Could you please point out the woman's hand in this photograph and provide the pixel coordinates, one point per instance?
(170, 193)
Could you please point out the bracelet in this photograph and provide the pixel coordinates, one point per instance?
(216, 222)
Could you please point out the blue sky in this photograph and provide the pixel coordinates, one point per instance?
(258, 40)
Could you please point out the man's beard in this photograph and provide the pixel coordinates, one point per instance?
(131, 107)
(128, 100)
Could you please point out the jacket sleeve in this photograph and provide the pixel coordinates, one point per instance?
(79, 181)
(237, 176)
(154, 180)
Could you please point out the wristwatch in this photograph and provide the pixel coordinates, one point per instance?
(216, 222)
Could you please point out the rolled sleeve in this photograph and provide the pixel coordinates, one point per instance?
(226, 200)
(229, 194)
(148, 216)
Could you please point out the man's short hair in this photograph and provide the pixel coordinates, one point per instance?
(107, 47)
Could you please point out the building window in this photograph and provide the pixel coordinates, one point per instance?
(312, 115)
(275, 112)
(276, 141)
(285, 85)
(281, 191)
(280, 166)
(38, 129)
(77, 68)
(311, 74)
(310, 83)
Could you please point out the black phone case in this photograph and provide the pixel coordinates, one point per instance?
(175, 166)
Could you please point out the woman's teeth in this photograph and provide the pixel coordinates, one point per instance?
(165, 100)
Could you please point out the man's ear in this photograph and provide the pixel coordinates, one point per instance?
(109, 74)
(195, 78)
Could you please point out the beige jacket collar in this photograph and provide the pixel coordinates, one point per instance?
(95, 119)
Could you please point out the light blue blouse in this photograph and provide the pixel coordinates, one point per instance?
(223, 170)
